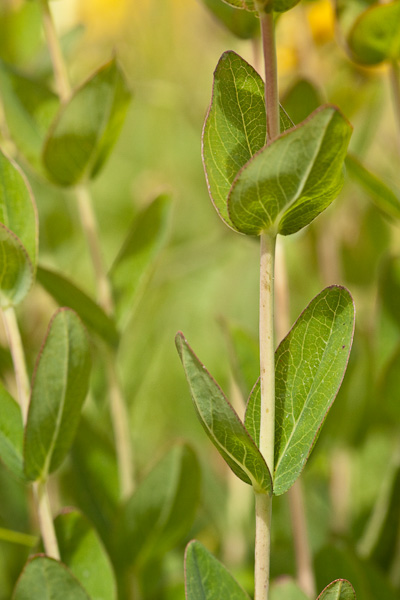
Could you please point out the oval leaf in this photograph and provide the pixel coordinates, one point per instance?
(293, 179)
(341, 589)
(11, 433)
(162, 509)
(44, 578)
(206, 578)
(87, 127)
(222, 424)
(59, 388)
(235, 127)
(83, 553)
(375, 36)
(16, 271)
(67, 294)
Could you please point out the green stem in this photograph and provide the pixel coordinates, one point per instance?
(45, 519)
(395, 83)
(271, 73)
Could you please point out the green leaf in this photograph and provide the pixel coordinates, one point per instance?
(11, 433)
(389, 287)
(338, 590)
(29, 107)
(251, 5)
(87, 127)
(59, 388)
(67, 294)
(302, 98)
(243, 4)
(44, 578)
(381, 195)
(16, 271)
(132, 267)
(17, 207)
(83, 553)
(235, 127)
(206, 578)
(286, 590)
(222, 424)
(244, 356)
(161, 511)
(310, 363)
(375, 36)
(241, 23)
(293, 179)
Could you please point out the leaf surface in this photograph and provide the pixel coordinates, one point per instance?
(294, 178)
(83, 553)
(375, 36)
(11, 433)
(341, 589)
(44, 578)
(222, 424)
(235, 127)
(16, 269)
(206, 578)
(59, 388)
(68, 294)
(241, 23)
(86, 128)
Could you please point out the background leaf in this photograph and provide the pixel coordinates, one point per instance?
(11, 433)
(206, 578)
(286, 590)
(59, 388)
(293, 179)
(241, 23)
(222, 424)
(338, 590)
(16, 274)
(44, 578)
(83, 553)
(86, 128)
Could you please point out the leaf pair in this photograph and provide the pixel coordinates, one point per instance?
(59, 388)
(279, 187)
(207, 579)
(310, 365)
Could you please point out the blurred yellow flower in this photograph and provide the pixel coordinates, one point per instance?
(105, 16)
(321, 19)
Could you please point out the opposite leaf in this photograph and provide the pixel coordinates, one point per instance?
(59, 388)
(87, 127)
(222, 424)
(11, 433)
(206, 578)
(44, 578)
(375, 36)
(294, 178)
(341, 589)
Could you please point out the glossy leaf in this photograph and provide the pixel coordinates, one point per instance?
(59, 388)
(86, 128)
(11, 433)
(206, 578)
(235, 127)
(16, 270)
(44, 578)
(338, 590)
(381, 195)
(241, 23)
(310, 364)
(68, 294)
(161, 511)
(293, 179)
(375, 36)
(17, 206)
(29, 107)
(222, 424)
(83, 553)
(132, 267)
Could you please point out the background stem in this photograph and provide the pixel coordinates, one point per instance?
(395, 84)
(18, 358)
(53, 43)
(46, 520)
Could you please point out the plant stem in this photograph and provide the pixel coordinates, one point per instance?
(263, 546)
(17, 353)
(17, 537)
(395, 84)
(46, 520)
(271, 74)
(59, 66)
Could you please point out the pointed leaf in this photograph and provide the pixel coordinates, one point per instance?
(44, 578)
(222, 424)
(381, 195)
(132, 267)
(235, 127)
(11, 433)
(83, 553)
(375, 36)
(67, 294)
(17, 206)
(161, 511)
(310, 365)
(86, 128)
(206, 578)
(241, 23)
(59, 388)
(16, 270)
(341, 589)
(293, 179)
